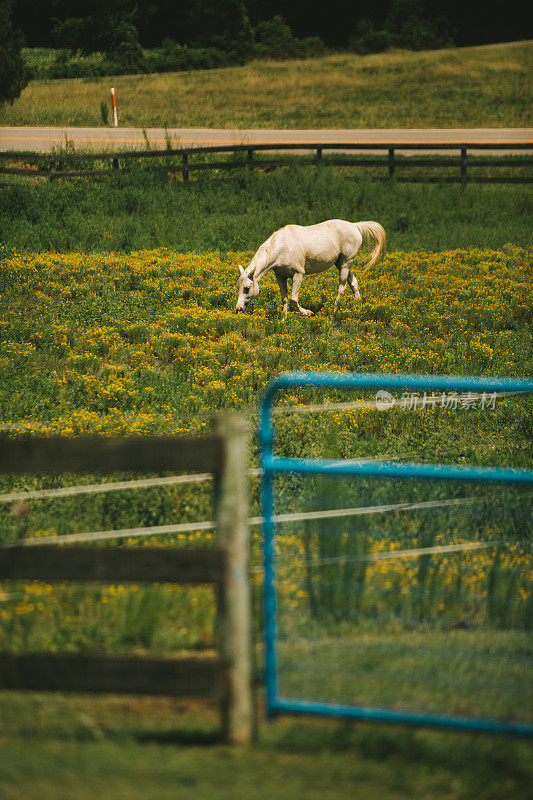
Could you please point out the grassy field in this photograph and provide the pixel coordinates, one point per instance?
(238, 211)
(57, 748)
(471, 87)
(149, 343)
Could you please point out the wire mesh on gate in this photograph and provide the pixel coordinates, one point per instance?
(419, 612)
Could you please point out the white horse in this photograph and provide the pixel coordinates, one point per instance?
(298, 250)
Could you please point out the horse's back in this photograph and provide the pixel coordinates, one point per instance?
(314, 247)
(311, 248)
(343, 235)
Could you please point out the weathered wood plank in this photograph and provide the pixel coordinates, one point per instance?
(235, 618)
(265, 146)
(107, 454)
(191, 166)
(41, 173)
(187, 168)
(469, 179)
(177, 677)
(112, 564)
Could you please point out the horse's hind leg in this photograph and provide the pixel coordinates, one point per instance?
(343, 278)
(346, 278)
(354, 286)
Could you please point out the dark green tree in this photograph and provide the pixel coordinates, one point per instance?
(274, 39)
(105, 25)
(410, 24)
(126, 48)
(367, 38)
(13, 74)
(223, 24)
(275, 35)
(95, 25)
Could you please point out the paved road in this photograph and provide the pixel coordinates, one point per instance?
(29, 139)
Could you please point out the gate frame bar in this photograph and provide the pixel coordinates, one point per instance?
(272, 464)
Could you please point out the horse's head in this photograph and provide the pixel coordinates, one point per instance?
(248, 289)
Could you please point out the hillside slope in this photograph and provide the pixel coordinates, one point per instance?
(470, 87)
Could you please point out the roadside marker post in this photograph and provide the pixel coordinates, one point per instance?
(114, 104)
(115, 122)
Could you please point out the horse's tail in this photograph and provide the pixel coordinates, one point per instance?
(372, 230)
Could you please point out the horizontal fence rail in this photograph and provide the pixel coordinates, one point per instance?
(53, 165)
(114, 564)
(93, 454)
(206, 525)
(228, 675)
(177, 677)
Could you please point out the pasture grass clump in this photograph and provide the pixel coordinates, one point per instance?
(223, 212)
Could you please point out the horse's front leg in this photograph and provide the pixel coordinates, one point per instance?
(296, 286)
(282, 283)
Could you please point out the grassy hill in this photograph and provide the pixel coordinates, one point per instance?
(470, 87)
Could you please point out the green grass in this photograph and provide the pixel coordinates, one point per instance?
(476, 674)
(360, 624)
(471, 87)
(60, 747)
(238, 211)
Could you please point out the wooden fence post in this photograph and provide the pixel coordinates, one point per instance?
(391, 162)
(464, 176)
(235, 623)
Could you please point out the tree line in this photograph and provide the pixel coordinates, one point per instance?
(220, 23)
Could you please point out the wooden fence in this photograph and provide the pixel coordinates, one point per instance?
(53, 165)
(226, 676)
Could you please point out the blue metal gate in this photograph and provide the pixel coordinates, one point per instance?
(332, 627)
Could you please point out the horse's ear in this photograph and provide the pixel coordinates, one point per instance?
(241, 270)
